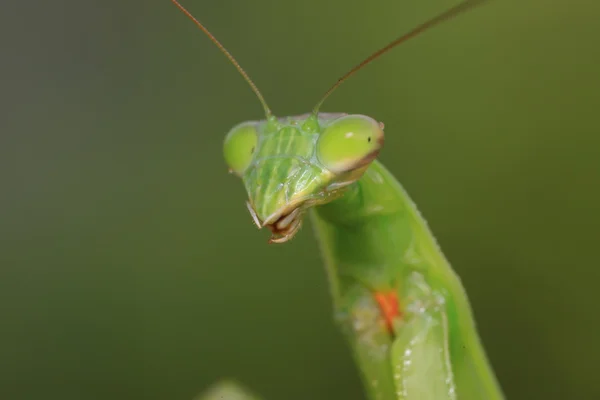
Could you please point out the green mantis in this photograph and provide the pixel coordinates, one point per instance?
(398, 302)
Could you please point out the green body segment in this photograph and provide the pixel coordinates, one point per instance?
(374, 238)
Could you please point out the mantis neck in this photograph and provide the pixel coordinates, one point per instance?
(375, 236)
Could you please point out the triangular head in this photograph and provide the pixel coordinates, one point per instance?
(290, 164)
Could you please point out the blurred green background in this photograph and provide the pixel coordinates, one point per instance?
(130, 268)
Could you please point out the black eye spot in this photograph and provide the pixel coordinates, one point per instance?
(252, 151)
(369, 140)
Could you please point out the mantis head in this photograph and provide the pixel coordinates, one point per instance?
(288, 165)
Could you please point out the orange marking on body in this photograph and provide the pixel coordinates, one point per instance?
(388, 302)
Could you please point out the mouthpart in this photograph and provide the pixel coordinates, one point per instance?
(283, 224)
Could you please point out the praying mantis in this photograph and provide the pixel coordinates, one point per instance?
(401, 307)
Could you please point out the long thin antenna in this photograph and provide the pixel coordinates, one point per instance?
(445, 16)
(229, 56)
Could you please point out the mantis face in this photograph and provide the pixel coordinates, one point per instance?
(290, 164)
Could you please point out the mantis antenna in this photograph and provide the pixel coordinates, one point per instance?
(268, 113)
(445, 16)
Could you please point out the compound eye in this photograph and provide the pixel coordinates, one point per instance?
(239, 147)
(349, 142)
